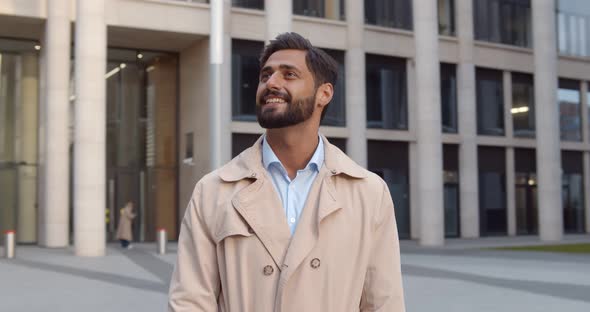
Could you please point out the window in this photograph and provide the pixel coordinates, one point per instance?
(492, 190)
(245, 69)
(331, 9)
(336, 114)
(446, 17)
(387, 103)
(389, 13)
(249, 4)
(339, 143)
(242, 141)
(525, 191)
(390, 161)
(503, 21)
(523, 105)
(573, 191)
(490, 102)
(570, 120)
(573, 27)
(448, 98)
(451, 189)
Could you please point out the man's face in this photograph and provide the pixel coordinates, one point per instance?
(286, 90)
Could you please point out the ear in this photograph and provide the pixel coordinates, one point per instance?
(324, 94)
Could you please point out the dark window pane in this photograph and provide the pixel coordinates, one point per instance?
(490, 102)
(249, 4)
(245, 68)
(390, 161)
(523, 105)
(573, 191)
(503, 21)
(242, 141)
(492, 190)
(336, 114)
(446, 17)
(338, 142)
(525, 191)
(389, 13)
(448, 93)
(386, 86)
(570, 116)
(332, 9)
(573, 27)
(451, 189)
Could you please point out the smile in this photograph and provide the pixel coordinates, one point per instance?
(274, 100)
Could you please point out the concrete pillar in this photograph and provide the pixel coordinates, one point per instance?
(356, 101)
(547, 121)
(90, 129)
(468, 172)
(428, 130)
(27, 179)
(54, 215)
(413, 152)
(586, 131)
(587, 189)
(226, 97)
(507, 96)
(510, 192)
(279, 16)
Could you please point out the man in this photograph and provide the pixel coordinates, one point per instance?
(291, 224)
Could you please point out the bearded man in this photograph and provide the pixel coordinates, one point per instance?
(292, 223)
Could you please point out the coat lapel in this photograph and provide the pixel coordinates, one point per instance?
(261, 208)
(319, 204)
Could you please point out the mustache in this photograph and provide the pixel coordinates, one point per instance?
(271, 93)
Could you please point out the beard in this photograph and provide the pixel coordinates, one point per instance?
(296, 112)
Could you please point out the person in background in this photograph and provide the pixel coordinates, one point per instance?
(124, 232)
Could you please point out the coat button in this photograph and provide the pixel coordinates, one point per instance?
(333, 171)
(253, 175)
(268, 270)
(315, 263)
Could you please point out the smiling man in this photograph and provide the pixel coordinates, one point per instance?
(292, 223)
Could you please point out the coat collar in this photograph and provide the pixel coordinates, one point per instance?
(248, 164)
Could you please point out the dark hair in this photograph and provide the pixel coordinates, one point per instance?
(322, 66)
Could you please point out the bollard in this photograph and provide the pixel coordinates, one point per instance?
(9, 244)
(162, 240)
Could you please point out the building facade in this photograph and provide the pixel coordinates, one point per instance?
(475, 112)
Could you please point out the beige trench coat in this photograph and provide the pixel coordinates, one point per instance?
(125, 219)
(236, 253)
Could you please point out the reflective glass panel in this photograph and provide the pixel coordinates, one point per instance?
(573, 27)
(503, 21)
(570, 115)
(386, 87)
(523, 105)
(389, 13)
(331, 9)
(490, 102)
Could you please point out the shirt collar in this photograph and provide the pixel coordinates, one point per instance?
(269, 157)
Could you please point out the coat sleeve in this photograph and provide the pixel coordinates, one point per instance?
(195, 283)
(383, 289)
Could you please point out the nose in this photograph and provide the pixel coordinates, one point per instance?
(274, 82)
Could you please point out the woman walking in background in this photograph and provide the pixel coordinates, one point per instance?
(124, 233)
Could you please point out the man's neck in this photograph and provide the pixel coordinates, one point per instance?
(294, 146)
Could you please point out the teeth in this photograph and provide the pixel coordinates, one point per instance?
(275, 100)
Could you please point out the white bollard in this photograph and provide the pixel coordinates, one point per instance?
(161, 240)
(9, 244)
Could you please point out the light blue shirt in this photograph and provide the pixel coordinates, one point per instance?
(293, 193)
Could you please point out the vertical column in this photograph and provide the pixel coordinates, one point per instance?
(468, 173)
(586, 131)
(428, 117)
(90, 127)
(279, 15)
(547, 121)
(54, 215)
(510, 192)
(356, 106)
(510, 169)
(215, 78)
(226, 117)
(413, 152)
(27, 212)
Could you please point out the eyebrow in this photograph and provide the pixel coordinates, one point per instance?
(282, 67)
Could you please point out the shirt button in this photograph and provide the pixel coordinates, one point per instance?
(333, 171)
(292, 220)
(268, 270)
(315, 263)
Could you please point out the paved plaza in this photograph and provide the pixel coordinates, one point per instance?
(462, 276)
